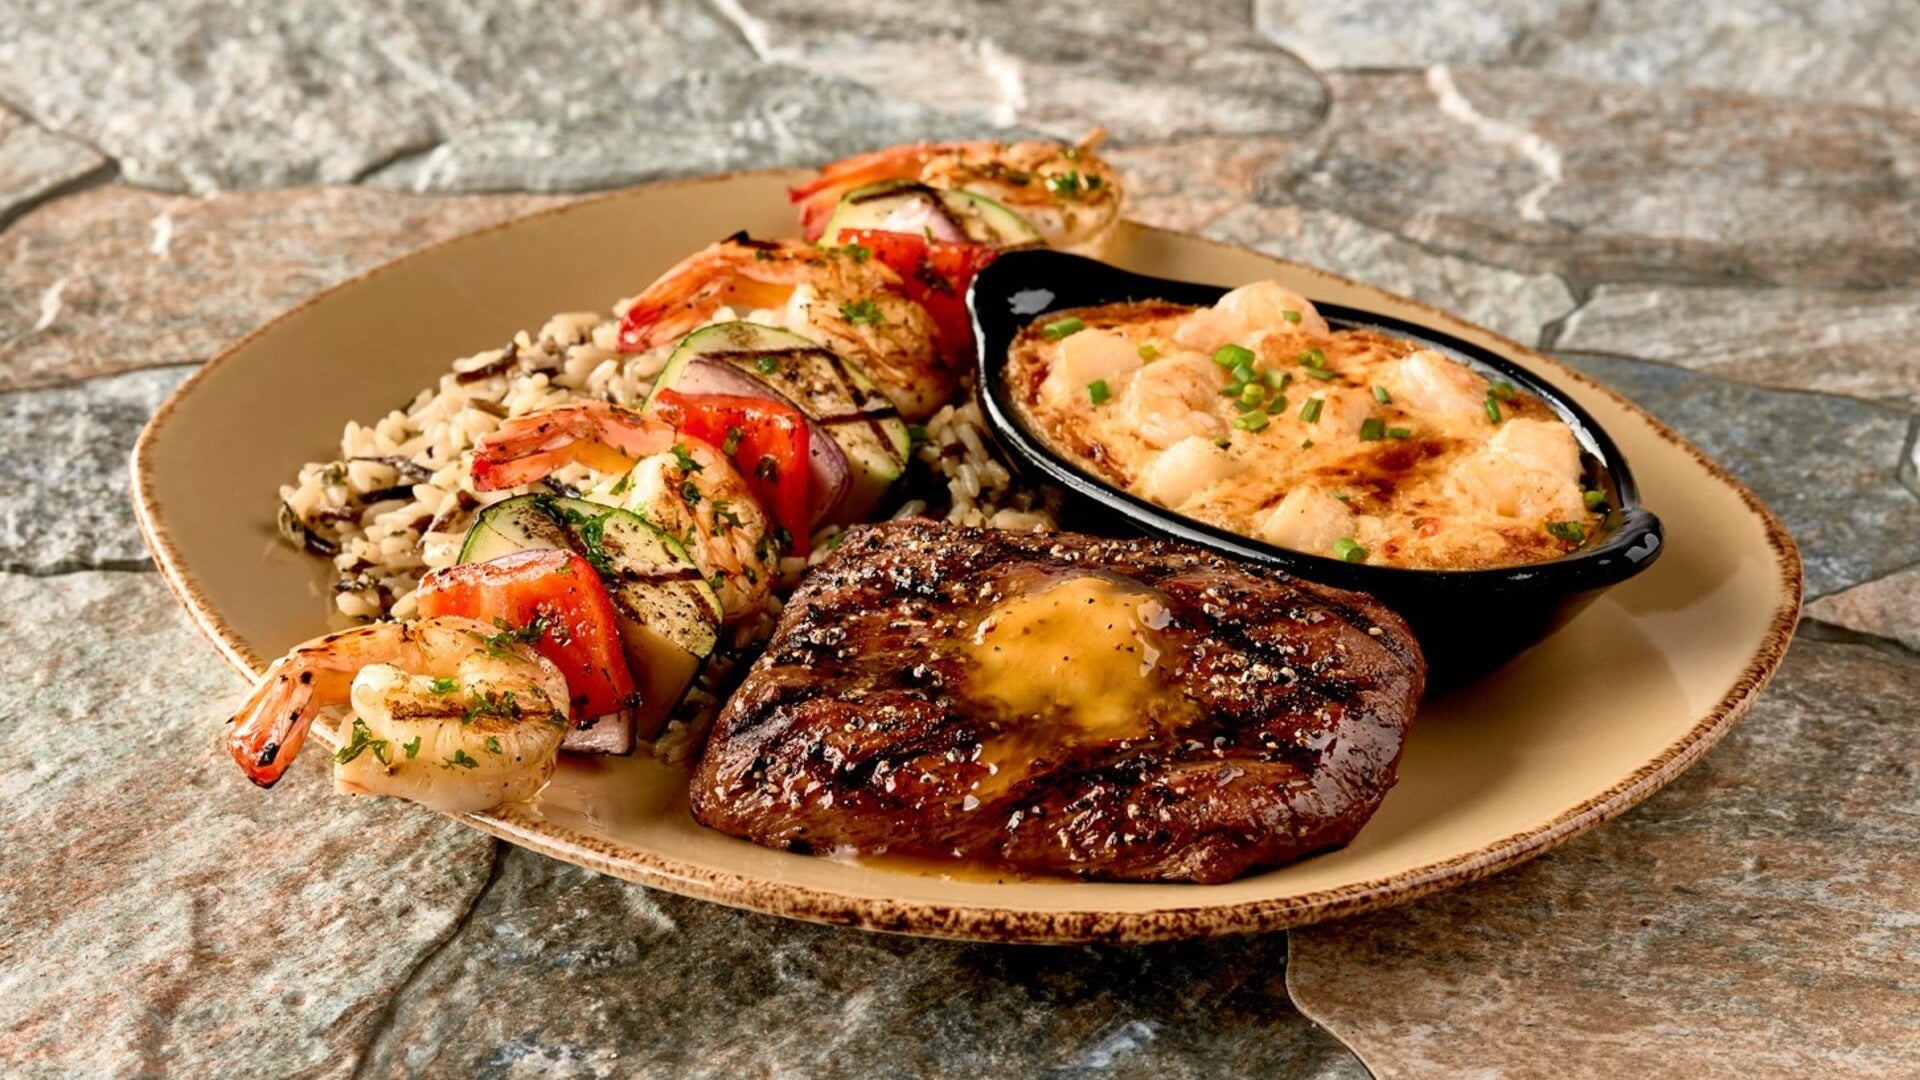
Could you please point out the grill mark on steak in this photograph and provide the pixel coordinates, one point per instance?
(1276, 729)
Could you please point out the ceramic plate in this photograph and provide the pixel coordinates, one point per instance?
(1580, 728)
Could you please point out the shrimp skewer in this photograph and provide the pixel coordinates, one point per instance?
(1065, 191)
(847, 302)
(680, 485)
(448, 712)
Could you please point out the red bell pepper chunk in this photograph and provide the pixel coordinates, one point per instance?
(560, 590)
(768, 442)
(936, 273)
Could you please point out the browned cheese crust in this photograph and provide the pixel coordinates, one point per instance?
(1270, 726)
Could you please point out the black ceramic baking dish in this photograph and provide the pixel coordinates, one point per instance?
(1468, 621)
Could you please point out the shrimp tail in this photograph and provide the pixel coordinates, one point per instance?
(601, 436)
(818, 196)
(680, 300)
(266, 734)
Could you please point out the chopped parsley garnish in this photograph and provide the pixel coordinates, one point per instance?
(461, 760)
(1290, 316)
(590, 530)
(1595, 500)
(411, 748)
(690, 492)
(620, 486)
(861, 313)
(1072, 185)
(723, 510)
(1310, 412)
(732, 444)
(684, 458)
(493, 745)
(489, 703)
(917, 433)
(1346, 550)
(361, 742)
(444, 686)
(1062, 328)
(1372, 429)
(1098, 392)
(502, 643)
(859, 252)
(1571, 531)
(767, 365)
(1149, 353)
(1380, 395)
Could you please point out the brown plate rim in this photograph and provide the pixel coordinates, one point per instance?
(973, 922)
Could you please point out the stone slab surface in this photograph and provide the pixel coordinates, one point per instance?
(1828, 466)
(1857, 343)
(158, 917)
(115, 278)
(1756, 918)
(1833, 50)
(64, 502)
(1887, 607)
(560, 971)
(1603, 182)
(35, 162)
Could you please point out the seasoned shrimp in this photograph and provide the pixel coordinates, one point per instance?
(681, 486)
(1065, 191)
(854, 306)
(1173, 399)
(447, 712)
(1427, 380)
(1251, 315)
(1186, 469)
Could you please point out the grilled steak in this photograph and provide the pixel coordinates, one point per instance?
(1052, 703)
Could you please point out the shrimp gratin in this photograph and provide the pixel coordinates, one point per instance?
(1255, 416)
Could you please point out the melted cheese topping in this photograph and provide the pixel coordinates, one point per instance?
(1345, 443)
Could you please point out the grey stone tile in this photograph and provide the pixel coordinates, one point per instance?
(1887, 607)
(700, 122)
(1837, 50)
(565, 971)
(1606, 183)
(1755, 918)
(35, 161)
(63, 469)
(201, 94)
(161, 915)
(1863, 344)
(1064, 67)
(115, 278)
(1828, 466)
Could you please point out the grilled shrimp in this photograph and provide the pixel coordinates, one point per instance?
(681, 486)
(852, 305)
(1065, 191)
(446, 711)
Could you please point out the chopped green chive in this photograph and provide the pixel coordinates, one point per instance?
(1242, 373)
(767, 365)
(1277, 405)
(1252, 394)
(1322, 374)
(1399, 433)
(1343, 496)
(1493, 409)
(1149, 353)
(1290, 316)
(1571, 531)
(1380, 395)
(1502, 390)
(1314, 358)
(1276, 380)
(444, 686)
(1066, 327)
(1232, 356)
(1310, 412)
(1097, 391)
(1595, 500)
(1372, 429)
(1348, 551)
(1223, 443)
(1252, 421)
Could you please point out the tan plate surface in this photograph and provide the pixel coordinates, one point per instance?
(1587, 724)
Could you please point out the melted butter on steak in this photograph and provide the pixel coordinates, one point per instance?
(1059, 704)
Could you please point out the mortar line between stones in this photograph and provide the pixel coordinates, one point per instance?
(383, 1021)
(404, 153)
(76, 383)
(1814, 629)
(104, 566)
(1318, 1024)
(99, 176)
